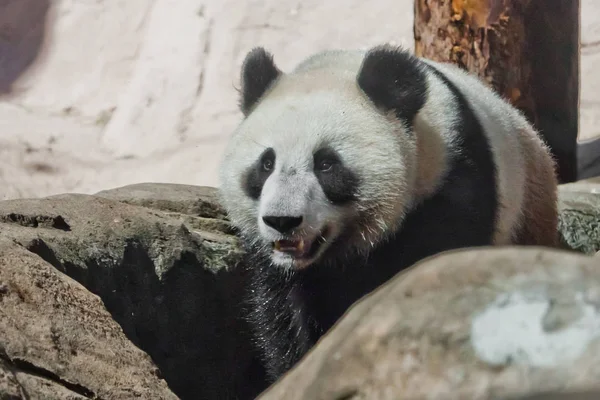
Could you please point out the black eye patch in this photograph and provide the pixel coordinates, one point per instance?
(256, 176)
(339, 183)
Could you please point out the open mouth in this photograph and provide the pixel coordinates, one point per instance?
(303, 248)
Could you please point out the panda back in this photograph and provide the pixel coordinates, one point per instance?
(502, 125)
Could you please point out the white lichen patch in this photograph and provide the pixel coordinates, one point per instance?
(515, 328)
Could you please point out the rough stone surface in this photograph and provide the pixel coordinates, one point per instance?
(479, 324)
(192, 200)
(57, 341)
(9, 385)
(579, 224)
(169, 279)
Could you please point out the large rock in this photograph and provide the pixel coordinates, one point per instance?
(579, 224)
(57, 341)
(165, 267)
(475, 324)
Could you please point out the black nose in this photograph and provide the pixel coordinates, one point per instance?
(282, 224)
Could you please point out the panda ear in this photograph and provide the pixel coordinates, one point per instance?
(394, 80)
(258, 73)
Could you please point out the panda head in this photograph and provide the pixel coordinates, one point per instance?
(323, 163)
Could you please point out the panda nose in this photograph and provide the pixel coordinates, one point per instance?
(282, 224)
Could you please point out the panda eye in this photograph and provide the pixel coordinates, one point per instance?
(325, 159)
(325, 165)
(267, 165)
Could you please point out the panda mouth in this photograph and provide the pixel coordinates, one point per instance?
(301, 248)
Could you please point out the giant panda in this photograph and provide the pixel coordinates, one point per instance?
(356, 165)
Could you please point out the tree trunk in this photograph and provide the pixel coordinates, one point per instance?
(528, 51)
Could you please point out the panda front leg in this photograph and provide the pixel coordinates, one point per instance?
(278, 320)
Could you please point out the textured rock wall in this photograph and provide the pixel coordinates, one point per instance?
(109, 93)
(144, 90)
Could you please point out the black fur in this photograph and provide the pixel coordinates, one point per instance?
(339, 183)
(258, 74)
(290, 312)
(394, 80)
(256, 176)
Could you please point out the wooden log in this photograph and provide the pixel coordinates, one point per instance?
(527, 50)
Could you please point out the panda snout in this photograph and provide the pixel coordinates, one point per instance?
(282, 225)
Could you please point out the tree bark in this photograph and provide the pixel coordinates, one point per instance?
(528, 51)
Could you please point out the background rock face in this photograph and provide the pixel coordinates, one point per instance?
(145, 90)
(100, 94)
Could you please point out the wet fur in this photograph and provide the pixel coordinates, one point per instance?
(452, 165)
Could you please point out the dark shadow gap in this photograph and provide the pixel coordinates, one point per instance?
(189, 322)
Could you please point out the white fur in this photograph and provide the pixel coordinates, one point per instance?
(320, 102)
(436, 137)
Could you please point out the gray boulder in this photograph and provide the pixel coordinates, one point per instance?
(474, 324)
(57, 341)
(164, 263)
(579, 205)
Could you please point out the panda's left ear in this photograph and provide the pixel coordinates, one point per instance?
(394, 80)
(258, 74)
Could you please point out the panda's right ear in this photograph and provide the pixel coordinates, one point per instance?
(258, 74)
